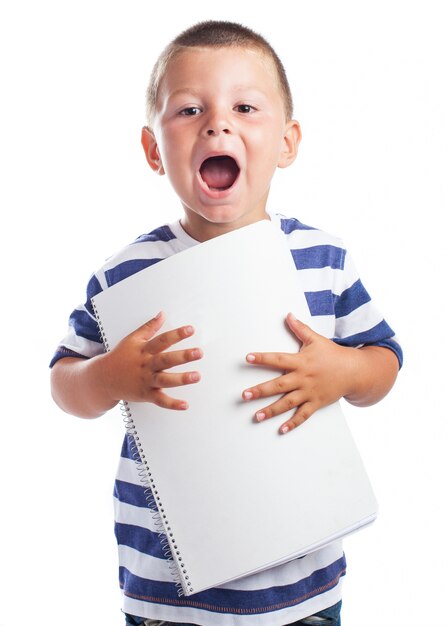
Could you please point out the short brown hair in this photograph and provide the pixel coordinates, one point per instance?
(214, 34)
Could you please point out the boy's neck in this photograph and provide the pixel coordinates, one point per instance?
(200, 230)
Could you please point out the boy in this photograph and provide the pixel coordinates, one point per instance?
(219, 124)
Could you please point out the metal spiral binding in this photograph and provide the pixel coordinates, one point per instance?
(166, 536)
(100, 326)
(153, 500)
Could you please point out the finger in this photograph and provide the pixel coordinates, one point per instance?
(166, 360)
(150, 328)
(286, 403)
(281, 384)
(276, 360)
(303, 413)
(303, 332)
(166, 340)
(161, 399)
(165, 380)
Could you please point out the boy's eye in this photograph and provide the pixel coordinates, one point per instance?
(244, 108)
(190, 111)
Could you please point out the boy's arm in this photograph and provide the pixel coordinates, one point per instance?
(320, 374)
(134, 370)
(76, 389)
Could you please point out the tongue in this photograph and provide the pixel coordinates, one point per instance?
(219, 172)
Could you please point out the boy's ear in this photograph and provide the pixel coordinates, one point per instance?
(291, 140)
(151, 149)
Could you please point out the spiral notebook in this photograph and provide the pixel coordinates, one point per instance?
(235, 497)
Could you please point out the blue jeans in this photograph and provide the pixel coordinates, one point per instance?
(327, 617)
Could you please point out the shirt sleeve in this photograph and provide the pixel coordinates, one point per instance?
(83, 339)
(357, 321)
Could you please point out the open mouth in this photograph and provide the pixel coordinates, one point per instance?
(219, 172)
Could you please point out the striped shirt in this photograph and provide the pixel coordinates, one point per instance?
(341, 310)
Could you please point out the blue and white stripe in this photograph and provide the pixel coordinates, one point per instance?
(341, 309)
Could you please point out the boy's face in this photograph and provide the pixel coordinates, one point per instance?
(219, 133)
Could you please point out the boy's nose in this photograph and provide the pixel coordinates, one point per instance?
(217, 122)
(216, 130)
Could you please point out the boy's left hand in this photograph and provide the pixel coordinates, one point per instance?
(315, 377)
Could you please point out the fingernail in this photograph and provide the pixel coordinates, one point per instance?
(184, 405)
(284, 429)
(248, 395)
(194, 377)
(250, 358)
(158, 316)
(260, 416)
(189, 330)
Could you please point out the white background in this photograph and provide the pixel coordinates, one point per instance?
(369, 80)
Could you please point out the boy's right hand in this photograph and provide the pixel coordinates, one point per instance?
(135, 369)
